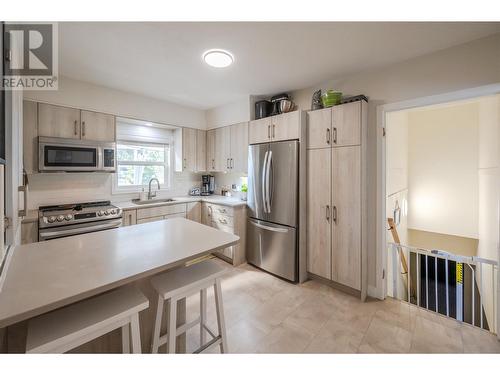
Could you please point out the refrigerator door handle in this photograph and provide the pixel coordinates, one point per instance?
(268, 181)
(264, 182)
(265, 227)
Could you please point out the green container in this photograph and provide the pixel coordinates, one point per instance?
(331, 98)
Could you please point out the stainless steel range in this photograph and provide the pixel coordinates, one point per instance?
(71, 219)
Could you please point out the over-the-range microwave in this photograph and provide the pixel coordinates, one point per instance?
(75, 155)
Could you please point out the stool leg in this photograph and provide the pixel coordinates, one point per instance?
(126, 338)
(172, 326)
(136, 334)
(203, 316)
(221, 324)
(157, 327)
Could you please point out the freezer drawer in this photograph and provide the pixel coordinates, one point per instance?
(273, 248)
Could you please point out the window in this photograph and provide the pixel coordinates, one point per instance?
(138, 162)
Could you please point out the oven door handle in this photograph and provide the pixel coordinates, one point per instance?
(87, 229)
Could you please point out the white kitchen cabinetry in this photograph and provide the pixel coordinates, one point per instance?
(275, 128)
(97, 126)
(339, 125)
(336, 208)
(193, 211)
(227, 148)
(29, 232)
(239, 148)
(190, 145)
(228, 219)
(129, 217)
(201, 150)
(65, 122)
(30, 134)
(57, 121)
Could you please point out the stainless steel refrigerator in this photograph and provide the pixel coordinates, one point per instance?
(273, 171)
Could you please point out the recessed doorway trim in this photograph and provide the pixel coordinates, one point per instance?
(381, 288)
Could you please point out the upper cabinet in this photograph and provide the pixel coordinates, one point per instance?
(227, 148)
(64, 122)
(190, 146)
(97, 126)
(346, 124)
(275, 128)
(56, 121)
(335, 126)
(239, 147)
(201, 150)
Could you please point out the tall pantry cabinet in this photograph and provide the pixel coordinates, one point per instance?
(336, 141)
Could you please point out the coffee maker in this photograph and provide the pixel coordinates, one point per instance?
(207, 184)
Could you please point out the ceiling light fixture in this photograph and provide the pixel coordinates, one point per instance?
(218, 58)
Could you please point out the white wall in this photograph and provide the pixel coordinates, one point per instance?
(489, 182)
(228, 114)
(396, 152)
(85, 95)
(468, 65)
(443, 163)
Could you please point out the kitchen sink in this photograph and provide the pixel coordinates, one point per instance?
(152, 201)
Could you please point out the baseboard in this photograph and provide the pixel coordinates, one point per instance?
(333, 284)
(374, 292)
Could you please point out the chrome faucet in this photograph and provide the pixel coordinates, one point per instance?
(152, 195)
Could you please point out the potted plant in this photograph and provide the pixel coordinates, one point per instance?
(244, 190)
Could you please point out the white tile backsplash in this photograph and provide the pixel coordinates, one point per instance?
(61, 188)
(228, 179)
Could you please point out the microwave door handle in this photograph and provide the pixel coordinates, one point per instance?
(263, 187)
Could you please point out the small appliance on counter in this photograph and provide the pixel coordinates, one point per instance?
(195, 191)
(207, 184)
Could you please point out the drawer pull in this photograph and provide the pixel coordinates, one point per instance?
(223, 221)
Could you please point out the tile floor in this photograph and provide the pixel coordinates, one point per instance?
(267, 315)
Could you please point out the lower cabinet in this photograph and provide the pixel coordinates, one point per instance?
(129, 217)
(231, 220)
(150, 214)
(193, 211)
(334, 214)
(29, 232)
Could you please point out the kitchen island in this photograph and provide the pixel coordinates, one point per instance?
(44, 276)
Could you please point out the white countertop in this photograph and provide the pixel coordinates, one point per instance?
(215, 199)
(44, 276)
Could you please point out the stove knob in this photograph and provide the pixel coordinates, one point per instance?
(69, 217)
(100, 213)
(106, 212)
(60, 218)
(113, 211)
(51, 219)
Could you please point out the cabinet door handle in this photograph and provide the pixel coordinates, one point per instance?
(76, 127)
(213, 163)
(223, 221)
(227, 163)
(328, 136)
(232, 163)
(184, 164)
(335, 135)
(269, 131)
(83, 129)
(274, 126)
(327, 212)
(335, 214)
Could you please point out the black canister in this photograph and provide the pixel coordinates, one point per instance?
(262, 109)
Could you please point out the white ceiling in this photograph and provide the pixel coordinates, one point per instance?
(163, 60)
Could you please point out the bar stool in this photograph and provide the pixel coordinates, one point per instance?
(182, 283)
(67, 328)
